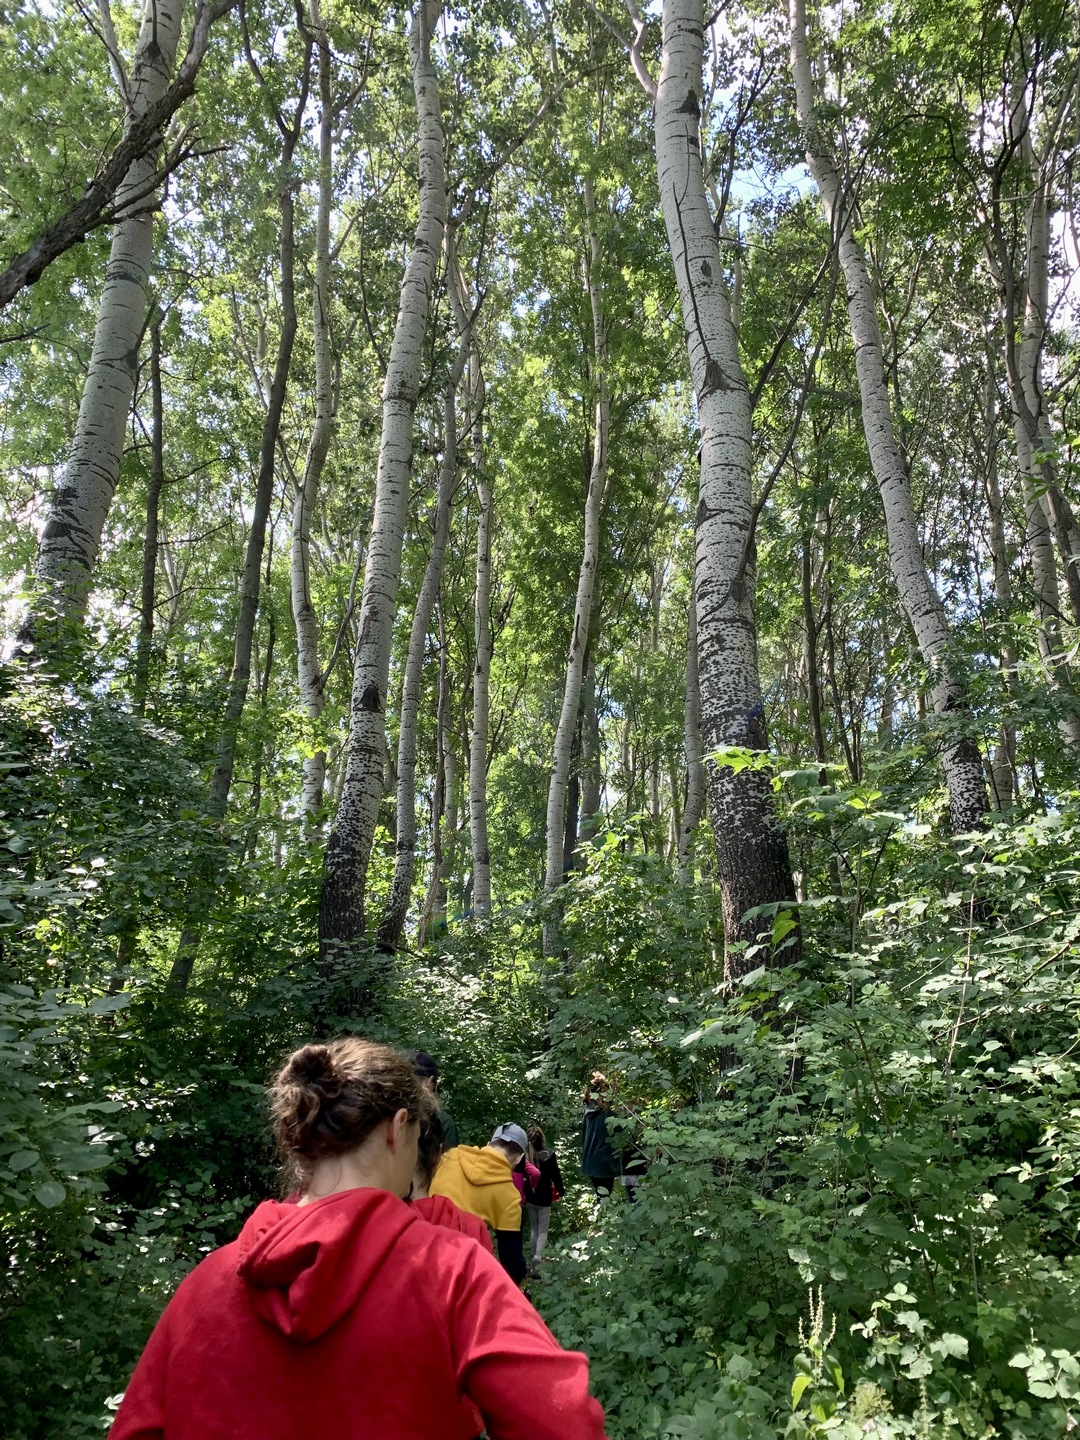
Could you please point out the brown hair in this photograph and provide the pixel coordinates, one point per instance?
(536, 1139)
(430, 1149)
(328, 1098)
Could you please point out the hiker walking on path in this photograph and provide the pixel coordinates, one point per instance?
(479, 1179)
(599, 1161)
(344, 1315)
(597, 1156)
(427, 1072)
(543, 1194)
(437, 1208)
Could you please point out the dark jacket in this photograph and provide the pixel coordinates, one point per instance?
(541, 1193)
(597, 1158)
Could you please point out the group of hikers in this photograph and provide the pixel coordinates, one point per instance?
(370, 1302)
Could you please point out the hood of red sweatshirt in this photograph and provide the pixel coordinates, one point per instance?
(305, 1266)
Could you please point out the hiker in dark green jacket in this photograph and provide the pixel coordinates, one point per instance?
(597, 1157)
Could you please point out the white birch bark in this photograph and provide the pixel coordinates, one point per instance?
(752, 855)
(579, 636)
(397, 902)
(80, 504)
(695, 760)
(309, 672)
(960, 757)
(348, 852)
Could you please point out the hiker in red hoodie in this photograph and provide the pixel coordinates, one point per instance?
(344, 1315)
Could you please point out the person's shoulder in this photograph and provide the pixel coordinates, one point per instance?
(442, 1247)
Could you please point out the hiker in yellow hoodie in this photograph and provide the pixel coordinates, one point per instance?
(479, 1179)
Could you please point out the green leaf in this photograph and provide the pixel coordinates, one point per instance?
(50, 1194)
(798, 1388)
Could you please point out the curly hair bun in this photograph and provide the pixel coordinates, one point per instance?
(310, 1065)
(328, 1098)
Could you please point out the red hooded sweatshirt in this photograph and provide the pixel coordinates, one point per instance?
(353, 1319)
(439, 1210)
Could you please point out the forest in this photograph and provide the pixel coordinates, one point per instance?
(547, 531)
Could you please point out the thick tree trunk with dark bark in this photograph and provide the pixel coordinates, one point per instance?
(753, 864)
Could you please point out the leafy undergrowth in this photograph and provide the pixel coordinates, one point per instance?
(861, 1212)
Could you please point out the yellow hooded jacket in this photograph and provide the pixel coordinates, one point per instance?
(478, 1179)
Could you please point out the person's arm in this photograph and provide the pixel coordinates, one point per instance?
(511, 1254)
(556, 1174)
(526, 1386)
(508, 1240)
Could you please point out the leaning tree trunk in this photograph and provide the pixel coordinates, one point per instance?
(752, 854)
(922, 604)
(695, 763)
(397, 902)
(80, 504)
(348, 852)
(579, 636)
(309, 673)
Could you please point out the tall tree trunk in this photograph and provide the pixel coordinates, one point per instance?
(923, 606)
(1003, 763)
(1023, 303)
(251, 575)
(397, 902)
(695, 761)
(309, 672)
(1031, 404)
(592, 779)
(80, 504)
(579, 636)
(752, 853)
(435, 899)
(479, 732)
(150, 538)
(348, 852)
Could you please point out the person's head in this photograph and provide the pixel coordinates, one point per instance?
(537, 1142)
(429, 1151)
(598, 1088)
(348, 1097)
(426, 1071)
(510, 1140)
